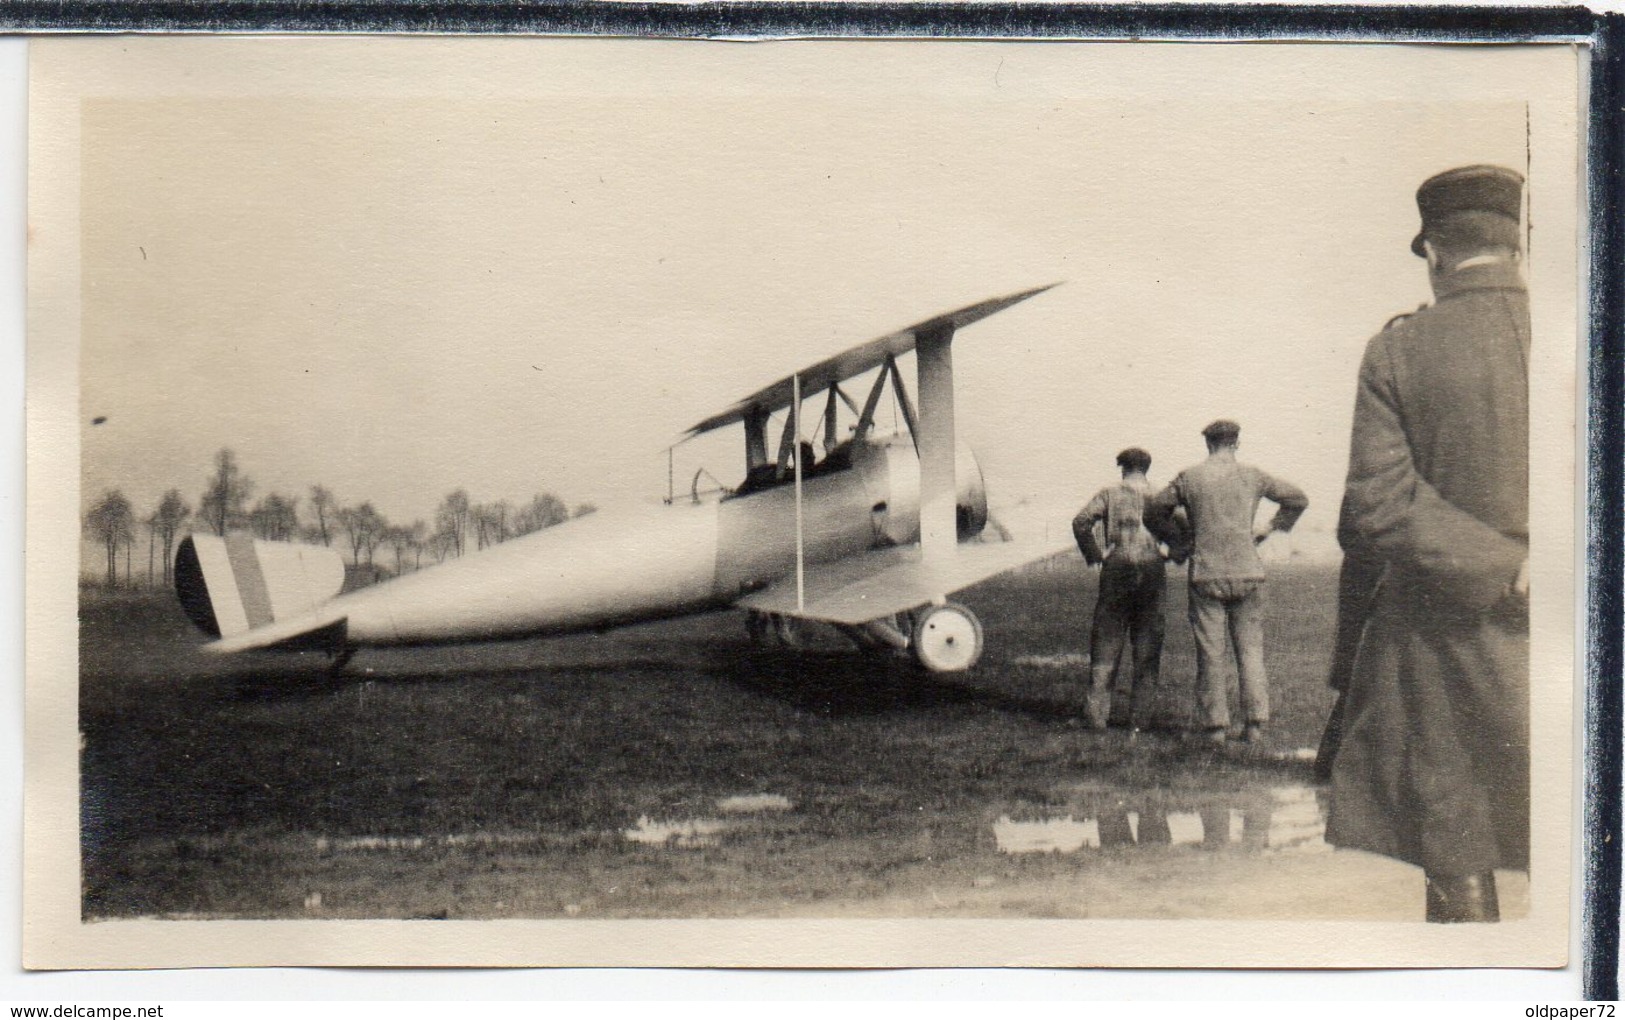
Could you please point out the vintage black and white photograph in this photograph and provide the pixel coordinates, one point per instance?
(801, 487)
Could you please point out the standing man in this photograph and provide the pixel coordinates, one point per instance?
(1434, 763)
(1220, 497)
(1128, 607)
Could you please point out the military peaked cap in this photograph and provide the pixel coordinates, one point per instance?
(1222, 431)
(1475, 191)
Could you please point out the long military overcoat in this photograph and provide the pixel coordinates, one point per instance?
(1434, 765)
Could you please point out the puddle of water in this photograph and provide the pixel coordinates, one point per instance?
(1185, 827)
(690, 834)
(1048, 835)
(1280, 820)
(493, 839)
(1296, 823)
(355, 844)
(754, 802)
(1058, 660)
(681, 834)
(352, 843)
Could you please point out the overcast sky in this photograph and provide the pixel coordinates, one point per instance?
(538, 278)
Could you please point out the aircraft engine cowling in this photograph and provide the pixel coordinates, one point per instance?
(899, 485)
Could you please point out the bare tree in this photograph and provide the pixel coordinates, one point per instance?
(442, 544)
(112, 522)
(275, 518)
(322, 504)
(151, 521)
(172, 512)
(365, 527)
(452, 520)
(222, 504)
(543, 511)
(417, 535)
(404, 540)
(493, 522)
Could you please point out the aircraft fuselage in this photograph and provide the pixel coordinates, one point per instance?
(660, 560)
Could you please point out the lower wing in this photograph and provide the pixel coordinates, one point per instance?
(874, 584)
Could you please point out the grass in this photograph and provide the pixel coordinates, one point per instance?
(501, 778)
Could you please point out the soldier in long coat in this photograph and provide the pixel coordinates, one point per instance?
(1434, 763)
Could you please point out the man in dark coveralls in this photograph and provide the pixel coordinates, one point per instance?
(1433, 768)
(1220, 497)
(1128, 608)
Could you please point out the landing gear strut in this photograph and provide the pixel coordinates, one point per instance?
(947, 638)
(340, 660)
(768, 629)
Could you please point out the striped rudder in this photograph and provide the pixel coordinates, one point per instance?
(232, 585)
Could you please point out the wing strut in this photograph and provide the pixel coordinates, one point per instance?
(902, 394)
(756, 437)
(795, 421)
(829, 419)
(787, 444)
(866, 419)
(934, 440)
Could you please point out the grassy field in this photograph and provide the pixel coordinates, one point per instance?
(591, 776)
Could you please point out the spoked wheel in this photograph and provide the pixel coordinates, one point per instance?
(947, 638)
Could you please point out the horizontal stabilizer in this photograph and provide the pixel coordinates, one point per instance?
(310, 633)
(886, 581)
(237, 584)
(858, 360)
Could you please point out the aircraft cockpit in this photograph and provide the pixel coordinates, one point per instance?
(764, 473)
(770, 476)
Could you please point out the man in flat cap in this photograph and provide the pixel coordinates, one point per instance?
(1111, 534)
(1433, 766)
(1220, 497)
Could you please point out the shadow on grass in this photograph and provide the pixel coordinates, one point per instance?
(848, 684)
(830, 683)
(315, 681)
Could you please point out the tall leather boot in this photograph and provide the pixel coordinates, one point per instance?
(1454, 899)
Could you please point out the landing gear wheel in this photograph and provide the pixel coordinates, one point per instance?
(340, 660)
(947, 638)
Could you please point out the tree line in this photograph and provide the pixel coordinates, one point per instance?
(459, 525)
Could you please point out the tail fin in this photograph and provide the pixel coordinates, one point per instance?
(232, 585)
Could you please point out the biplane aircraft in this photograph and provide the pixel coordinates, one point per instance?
(882, 528)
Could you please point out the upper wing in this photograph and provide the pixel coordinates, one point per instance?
(865, 587)
(856, 361)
